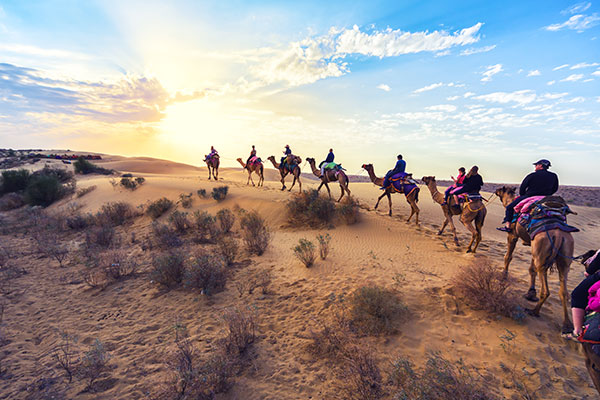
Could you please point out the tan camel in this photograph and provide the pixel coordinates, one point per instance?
(284, 171)
(213, 165)
(258, 168)
(592, 362)
(412, 197)
(330, 176)
(553, 247)
(474, 211)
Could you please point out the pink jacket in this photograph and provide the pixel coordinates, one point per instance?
(594, 297)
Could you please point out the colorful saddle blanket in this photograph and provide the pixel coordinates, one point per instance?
(255, 160)
(545, 214)
(210, 157)
(333, 166)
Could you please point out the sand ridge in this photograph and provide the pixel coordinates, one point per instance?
(135, 319)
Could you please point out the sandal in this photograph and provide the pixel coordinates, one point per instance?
(504, 229)
(570, 336)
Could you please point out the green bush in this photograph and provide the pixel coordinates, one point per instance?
(255, 233)
(168, 269)
(43, 190)
(206, 273)
(305, 252)
(308, 208)
(157, 208)
(84, 167)
(219, 193)
(15, 180)
(374, 310)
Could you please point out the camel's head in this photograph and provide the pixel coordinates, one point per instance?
(271, 158)
(505, 191)
(367, 166)
(310, 160)
(427, 179)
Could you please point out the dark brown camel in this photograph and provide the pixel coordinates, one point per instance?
(330, 176)
(474, 211)
(554, 247)
(284, 171)
(258, 168)
(412, 198)
(213, 166)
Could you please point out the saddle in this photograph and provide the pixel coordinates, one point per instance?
(209, 157)
(542, 215)
(255, 160)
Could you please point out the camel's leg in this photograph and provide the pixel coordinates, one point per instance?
(563, 274)
(326, 187)
(283, 181)
(299, 183)
(445, 221)
(343, 191)
(511, 244)
(471, 228)
(532, 274)
(209, 175)
(479, 219)
(411, 203)
(544, 291)
(379, 199)
(293, 183)
(389, 201)
(216, 173)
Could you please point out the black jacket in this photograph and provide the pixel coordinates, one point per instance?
(539, 183)
(472, 184)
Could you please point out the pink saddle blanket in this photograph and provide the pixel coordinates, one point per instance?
(524, 205)
(254, 160)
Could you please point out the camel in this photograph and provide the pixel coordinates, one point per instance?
(474, 211)
(554, 247)
(592, 362)
(412, 197)
(284, 171)
(213, 165)
(257, 168)
(330, 176)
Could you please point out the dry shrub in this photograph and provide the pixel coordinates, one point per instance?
(51, 245)
(10, 201)
(79, 221)
(93, 363)
(228, 249)
(219, 193)
(206, 273)
(115, 213)
(94, 277)
(255, 233)
(158, 207)
(374, 310)
(305, 252)
(202, 193)
(361, 375)
(226, 219)
(206, 227)
(263, 278)
(83, 191)
(249, 280)
(165, 238)
(241, 329)
(485, 287)
(348, 210)
(439, 379)
(116, 265)
(100, 236)
(66, 354)
(308, 208)
(186, 200)
(168, 268)
(324, 247)
(331, 339)
(179, 221)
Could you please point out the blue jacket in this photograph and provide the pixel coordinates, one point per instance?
(287, 151)
(400, 167)
(330, 157)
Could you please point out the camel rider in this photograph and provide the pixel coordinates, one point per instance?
(458, 181)
(329, 159)
(472, 183)
(287, 152)
(252, 154)
(400, 167)
(579, 296)
(212, 153)
(541, 182)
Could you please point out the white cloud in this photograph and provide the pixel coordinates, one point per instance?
(476, 50)
(442, 53)
(452, 98)
(468, 94)
(442, 107)
(579, 22)
(572, 78)
(577, 8)
(560, 67)
(534, 73)
(577, 99)
(596, 73)
(428, 88)
(584, 65)
(491, 71)
(384, 87)
(553, 96)
(519, 97)
(550, 83)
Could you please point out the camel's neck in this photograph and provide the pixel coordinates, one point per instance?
(241, 162)
(275, 164)
(315, 171)
(374, 178)
(507, 199)
(435, 193)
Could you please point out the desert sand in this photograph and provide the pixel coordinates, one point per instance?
(135, 318)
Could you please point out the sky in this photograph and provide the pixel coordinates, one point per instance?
(446, 84)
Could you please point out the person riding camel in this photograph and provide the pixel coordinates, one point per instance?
(580, 296)
(471, 185)
(212, 153)
(458, 181)
(541, 182)
(252, 154)
(287, 152)
(329, 159)
(400, 167)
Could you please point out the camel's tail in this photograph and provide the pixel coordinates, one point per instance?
(556, 247)
(417, 194)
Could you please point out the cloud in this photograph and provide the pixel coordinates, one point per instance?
(579, 22)
(534, 73)
(596, 73)
(550, 83)
(384, 87)
(468, 94)
(584, 65)
(577, 99)
(442, 107)
(520, 97)
(429, 87)
(452, 98)
(577, 8)
(572, 78)
(560, 67)
(476, 50)
(491, 71)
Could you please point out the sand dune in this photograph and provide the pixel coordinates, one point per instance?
(135, 319)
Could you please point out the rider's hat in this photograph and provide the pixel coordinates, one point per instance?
(543, 162)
